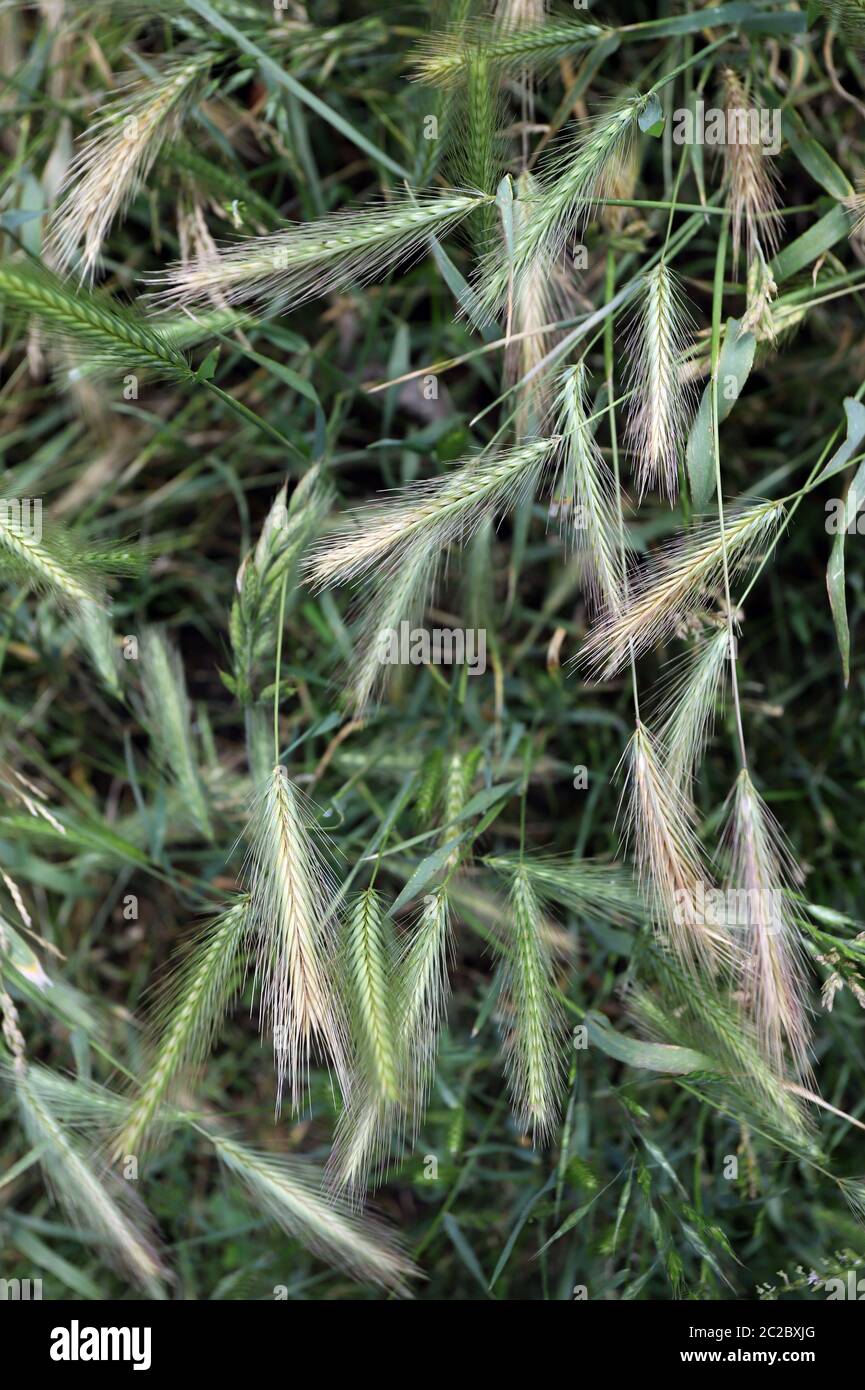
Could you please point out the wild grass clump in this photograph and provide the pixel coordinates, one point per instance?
(330, 356)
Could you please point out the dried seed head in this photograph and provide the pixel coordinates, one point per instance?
(762, 872)
(668, 857)
(292, 932)
(661, 398)
(538, 299)
(584, 492)
(688, 705)
(117, 156)
(571, 184)
(290, 1192)
(750, 175)
(95, 1199)
(309, 260)
(673, 584)
(433, 512)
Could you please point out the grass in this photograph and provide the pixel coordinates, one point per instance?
(397, 980)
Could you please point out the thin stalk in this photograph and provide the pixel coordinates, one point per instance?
(717, 297)
(662, 205)
(675, 205)
(687, 63)
(280, 626)
(609, 292)
(250, 417)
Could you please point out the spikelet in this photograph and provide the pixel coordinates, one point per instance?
(287, 530)
(422, 992)
(118, 154)
(97, 636)
(533, 1038)
(20, 906)
(587, 889)
(195, 240)
(81, 1107)
(539, 299)
(365, 1132)
(394, 599)
(403, 540)
(47, 559)
(667, 854)
(761, 316)
(475, 151)
(434, 511)
(186, 1022)
(674, 581)
(687, 708)
(761, 874)
(292, 934)
(309, 260)
(709, 1021)
(169, 720)
(521, 41)
(369, 1125)
(660, 401)
(584, 491)
(459, 774)
(853, 1189)
(369, 968)
(97, 1201)
(290, 1193)
(426, 793)
(368, 1128)
(91, 324)
(570, 186)
(9, 1022)
(750, 178)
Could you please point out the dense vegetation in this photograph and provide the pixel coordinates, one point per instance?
(322, 327)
